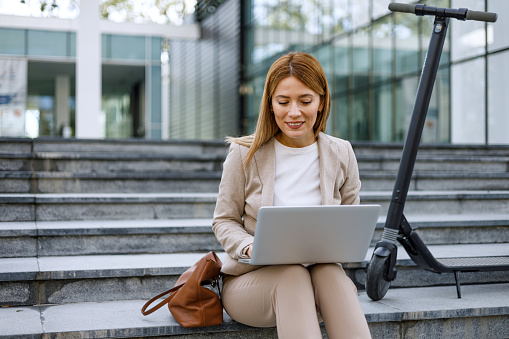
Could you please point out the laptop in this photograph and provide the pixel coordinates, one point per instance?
(313, 234)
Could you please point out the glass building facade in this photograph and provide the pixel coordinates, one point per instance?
(205, 75)
(207, 82)
(128, 62)
(373, 60)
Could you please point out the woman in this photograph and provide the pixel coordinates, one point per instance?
(288, 161)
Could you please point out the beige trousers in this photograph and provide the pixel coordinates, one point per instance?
(289, 296)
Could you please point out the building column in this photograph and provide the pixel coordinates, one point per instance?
(88, 71)
(62, 93)
(165, 95)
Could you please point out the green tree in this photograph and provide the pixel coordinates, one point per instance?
(286, 15)
(159, 11)
(45, 5)
(49, 7)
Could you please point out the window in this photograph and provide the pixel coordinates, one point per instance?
(468, 102)
(498, 100)
(12, 41)
(468, 38)
(48, 43)
(497, 33)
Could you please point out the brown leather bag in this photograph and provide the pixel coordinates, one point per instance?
(190, 303)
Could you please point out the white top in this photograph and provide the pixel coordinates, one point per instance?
(297, 181)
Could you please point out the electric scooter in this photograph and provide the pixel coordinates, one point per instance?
(382, 267)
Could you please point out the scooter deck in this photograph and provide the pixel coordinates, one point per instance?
(476, 263)
(472, 264)
(421, 255)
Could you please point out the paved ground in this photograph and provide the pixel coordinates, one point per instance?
(124, 317)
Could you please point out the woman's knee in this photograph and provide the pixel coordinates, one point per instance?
(330, 272)
(288, 274)
(292, 269)
(327, 269)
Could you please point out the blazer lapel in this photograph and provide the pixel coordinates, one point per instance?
(265, 159)
(328, 169)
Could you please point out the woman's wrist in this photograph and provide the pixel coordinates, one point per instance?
(246, 251)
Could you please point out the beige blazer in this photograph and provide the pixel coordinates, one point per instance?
(243, 192)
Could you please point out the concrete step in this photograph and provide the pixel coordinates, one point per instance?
(84, 156)
(208, 181)
(437, 163)
(396, 150)
(58, 238)
(435, 312)
(113, 182)
(140, 146)
(96, 157)
(16, 145)
(434, 181)
(451, 229)
(90, 162)
(114, 206)
(26, 145)
(444, 202)
(22, 207)
(110, 162)
(69, 279)
(99, 237)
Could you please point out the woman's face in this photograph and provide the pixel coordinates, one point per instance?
(295, 109)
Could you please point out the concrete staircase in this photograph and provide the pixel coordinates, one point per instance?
(90, 230)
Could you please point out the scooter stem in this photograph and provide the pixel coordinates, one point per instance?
(387, 245)
(421, 105)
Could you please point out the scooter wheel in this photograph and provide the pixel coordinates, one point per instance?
(376, 285)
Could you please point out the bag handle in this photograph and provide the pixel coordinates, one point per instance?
(162, 303)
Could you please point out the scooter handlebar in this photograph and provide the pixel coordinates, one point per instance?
(404, 8)
(462, 13)
(481, 16)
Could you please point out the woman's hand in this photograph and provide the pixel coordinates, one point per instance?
(249, 250)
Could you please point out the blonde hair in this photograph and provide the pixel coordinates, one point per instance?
(307, 70)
